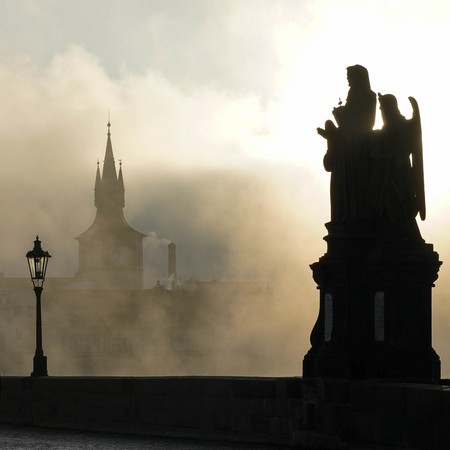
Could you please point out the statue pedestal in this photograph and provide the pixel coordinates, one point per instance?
(375, 310)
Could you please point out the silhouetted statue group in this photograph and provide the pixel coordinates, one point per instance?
(376, 175)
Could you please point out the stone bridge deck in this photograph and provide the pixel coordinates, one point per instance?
(314, 413)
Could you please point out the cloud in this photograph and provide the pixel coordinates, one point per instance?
(214, 108)
(192, 174)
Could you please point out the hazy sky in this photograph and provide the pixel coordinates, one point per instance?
(214, 106)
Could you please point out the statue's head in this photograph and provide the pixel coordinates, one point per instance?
(389, 108)
(358, 77)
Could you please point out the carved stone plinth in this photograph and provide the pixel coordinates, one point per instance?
(375, 310)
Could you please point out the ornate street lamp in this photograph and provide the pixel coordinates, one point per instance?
(37, 263)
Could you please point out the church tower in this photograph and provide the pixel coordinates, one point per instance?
(110, 251)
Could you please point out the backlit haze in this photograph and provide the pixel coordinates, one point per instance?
(214, 106)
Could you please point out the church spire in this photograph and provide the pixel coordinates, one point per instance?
(109, 188)
(109, 174)
(110, 251)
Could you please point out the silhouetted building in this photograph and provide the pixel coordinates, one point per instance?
(102, 320)
(110, 251)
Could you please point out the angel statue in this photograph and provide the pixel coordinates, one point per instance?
(397, 175)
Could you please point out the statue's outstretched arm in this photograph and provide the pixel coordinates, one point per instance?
(329, 131)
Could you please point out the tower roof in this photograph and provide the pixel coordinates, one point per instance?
(109, 197)
(109, 189)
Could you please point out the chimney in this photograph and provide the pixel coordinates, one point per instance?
(172, 261)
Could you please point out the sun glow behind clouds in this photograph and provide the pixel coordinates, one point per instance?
(225, 87)
(400, 44)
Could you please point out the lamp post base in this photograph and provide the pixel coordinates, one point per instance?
(39, 366)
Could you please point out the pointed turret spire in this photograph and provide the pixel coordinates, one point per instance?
(98, 184)
(109, 188)
(120, 178)
(109, 174)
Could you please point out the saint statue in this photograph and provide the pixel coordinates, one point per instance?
(348, 152)
(376, 175)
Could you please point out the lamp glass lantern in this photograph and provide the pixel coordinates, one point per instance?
(37, 263)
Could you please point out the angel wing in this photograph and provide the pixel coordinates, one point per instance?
(417, 159)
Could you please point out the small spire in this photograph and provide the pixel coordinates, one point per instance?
(109, 127)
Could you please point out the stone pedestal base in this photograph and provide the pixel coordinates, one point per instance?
(375, 312)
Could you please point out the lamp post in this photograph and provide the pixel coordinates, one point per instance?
(37, 263)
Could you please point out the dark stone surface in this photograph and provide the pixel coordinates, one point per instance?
(321, 414)
(406, 277)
